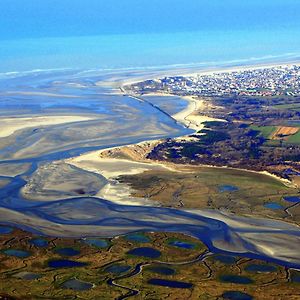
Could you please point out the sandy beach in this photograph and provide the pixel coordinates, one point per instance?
(8, 126)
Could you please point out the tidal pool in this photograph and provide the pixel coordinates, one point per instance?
(170, 283)
(236, 279)
(117, 269)
(260, 268)
(273, 205)
(236, 295)
(77, 285)
(227, 188)
(145, 252)
(17, 253)
(64, 263)
(67, 251)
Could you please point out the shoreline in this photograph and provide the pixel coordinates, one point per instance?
(117, 192)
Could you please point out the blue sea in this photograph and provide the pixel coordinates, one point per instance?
(102, 34)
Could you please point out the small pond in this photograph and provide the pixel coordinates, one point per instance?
(99, 243)
(77, 285)
(260, 268)
(145, 252)
(27, 275)
(236, 295)
(225, 259)
(17, 253)
(64, 263)
(117, 269)
(227, 188)
(67, 251)
(161, 270)
(41, 243)
(236, 279)
(273, 205)
(170, 283)
(137, 237)
(182, 244)
(293, 199)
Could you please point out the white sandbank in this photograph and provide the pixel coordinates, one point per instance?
(10, 125)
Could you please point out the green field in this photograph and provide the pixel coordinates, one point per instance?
(293, 106)
(294, 139)
(265, 131)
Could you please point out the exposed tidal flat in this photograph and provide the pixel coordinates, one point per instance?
(60, 184)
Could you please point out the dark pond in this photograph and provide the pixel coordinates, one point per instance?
(64, 263)
(145, 252)
(161, 270)
(293, 199)
(273, 205)
(117, 269)
(260, 268)
(67, 251)
(137, 237)
(228, 188)
(225, 259)
(41, 243)
(5, 230)
(27, 276)
(236, 295)
(17, 253)
(236, 279)
(99, 243)
(170, 283)
(77, 285)
(182, 244)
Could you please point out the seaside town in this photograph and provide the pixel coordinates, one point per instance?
(266, 82)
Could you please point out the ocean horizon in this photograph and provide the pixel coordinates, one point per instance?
(133, 51)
